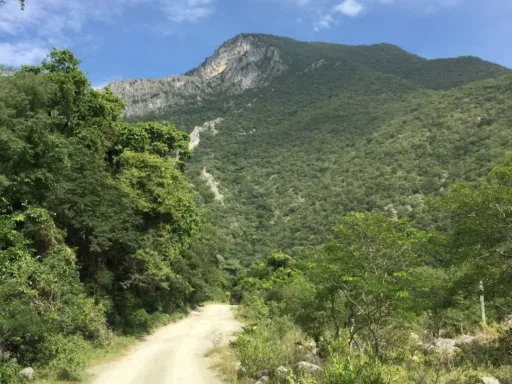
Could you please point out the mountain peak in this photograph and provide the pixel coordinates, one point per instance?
(243, 61)
(250, 61)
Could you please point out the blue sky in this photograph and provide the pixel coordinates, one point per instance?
(124, 39)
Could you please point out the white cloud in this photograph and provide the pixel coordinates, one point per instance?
(63, 22)
(324, 22)
(187, 10)
(331, 12)
(349, 8)
(18, 54)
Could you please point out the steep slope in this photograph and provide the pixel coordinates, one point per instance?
(334, 128)
(241, 63)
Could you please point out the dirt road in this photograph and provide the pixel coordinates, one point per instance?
(175, 353)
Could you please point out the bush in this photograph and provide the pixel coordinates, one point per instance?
(269, 345)
(140, 322)
(8, 368)
(362, 370)
(65, 356)
(347, 370)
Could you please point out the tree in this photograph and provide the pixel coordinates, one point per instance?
(366, 269)
(481, 234)
(97, 219)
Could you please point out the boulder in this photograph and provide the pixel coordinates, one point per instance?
(304, 366)
(264, 373)
(464, 340)
(240, 370)
(310, 346)
(311, 358)
(445, 346)
(306, 346)
(27, 374)
(416, 338)
(263, 379)
(507, 324)
(490, 380)
(281, 372)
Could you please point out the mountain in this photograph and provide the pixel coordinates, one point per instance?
(290, 136)
(242, 63)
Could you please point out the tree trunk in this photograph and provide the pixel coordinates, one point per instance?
(333, 316)
(482, 303)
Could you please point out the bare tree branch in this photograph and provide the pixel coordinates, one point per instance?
(22, 3)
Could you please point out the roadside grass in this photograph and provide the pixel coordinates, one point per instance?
(223, 362)
(118, 347)
(223, 357)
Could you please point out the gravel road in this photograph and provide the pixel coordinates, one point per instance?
(175, 353)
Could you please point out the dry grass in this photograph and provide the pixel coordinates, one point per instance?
(223, 362)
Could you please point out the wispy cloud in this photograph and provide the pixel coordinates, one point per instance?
(324, 22)
(19, 54)
(350, 8)
(187, 10)
(61, 23)
(331, 12)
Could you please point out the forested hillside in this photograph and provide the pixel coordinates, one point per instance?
(343, 128)
(358, 196)
(100, 231)
(363, 200)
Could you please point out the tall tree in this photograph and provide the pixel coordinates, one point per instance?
(367, 268)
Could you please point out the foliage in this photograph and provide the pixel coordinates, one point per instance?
(269, 345)
(373, 128)
(362, 294)
(360, 370)
(98, 224)
(480, 234)
(65, 355)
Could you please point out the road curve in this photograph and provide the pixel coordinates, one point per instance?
(175, 353)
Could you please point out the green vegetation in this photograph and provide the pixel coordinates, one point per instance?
(368, 141)
(372, 128)
(377, 297)
(363, 210)
(100, 232)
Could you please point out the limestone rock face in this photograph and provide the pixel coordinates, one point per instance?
(241, 63)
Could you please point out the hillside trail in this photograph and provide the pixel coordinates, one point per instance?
(175, 354)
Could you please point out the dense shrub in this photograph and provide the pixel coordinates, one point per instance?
(269, 345)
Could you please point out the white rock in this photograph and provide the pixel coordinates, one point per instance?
(304, 366)
(241, 63)
(490, 380)
(446, 346)
(311, 358)
(27, 374)
(281, 372)
(240, 370)
(464, 340)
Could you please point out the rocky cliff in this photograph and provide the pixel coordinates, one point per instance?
(241, 63)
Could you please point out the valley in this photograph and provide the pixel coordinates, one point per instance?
(329, 129)
(353, 201)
